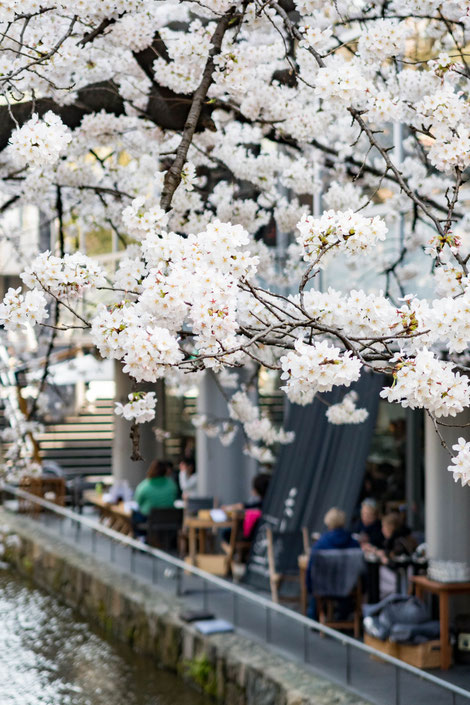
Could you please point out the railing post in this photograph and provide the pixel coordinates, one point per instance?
(235, 608)
(306, 649)
(397, 685)
(154, 569)
(267, 617)
(112, 550)
(348, 663)
(204, 594)
(93, 540)
(132, 559)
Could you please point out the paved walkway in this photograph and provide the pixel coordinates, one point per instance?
(371, 679)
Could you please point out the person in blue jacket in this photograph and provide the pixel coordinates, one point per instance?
(335, 537)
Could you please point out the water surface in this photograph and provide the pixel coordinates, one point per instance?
(48, 656)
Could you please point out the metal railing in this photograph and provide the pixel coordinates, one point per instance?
(398, 690)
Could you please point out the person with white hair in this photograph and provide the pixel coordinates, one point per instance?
(369, 526)
(336, 536)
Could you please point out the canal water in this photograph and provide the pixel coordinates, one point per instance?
(48, 656)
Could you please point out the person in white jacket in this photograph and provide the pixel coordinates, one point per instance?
(187, 478)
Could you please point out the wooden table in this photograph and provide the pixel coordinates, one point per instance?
(423, 584)
(303, 565)
(115, 516)
(218, 564)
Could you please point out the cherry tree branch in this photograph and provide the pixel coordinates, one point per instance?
(173, 175)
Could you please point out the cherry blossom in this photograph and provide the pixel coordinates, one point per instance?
(346, 412)
(18, 310)
(461, 462)
(140, 407)
(353, 232)
(40, 142)
(317, 368)
(282, 189)
(428, 383)
(66, 276)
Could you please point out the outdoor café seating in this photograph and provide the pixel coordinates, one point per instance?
(202, 552)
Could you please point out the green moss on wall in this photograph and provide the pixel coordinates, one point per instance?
(202, 671)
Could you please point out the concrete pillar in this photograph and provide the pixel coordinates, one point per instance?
(223, 472)
(447, 503)
(125, 469)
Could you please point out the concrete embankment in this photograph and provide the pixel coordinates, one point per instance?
(229, 667)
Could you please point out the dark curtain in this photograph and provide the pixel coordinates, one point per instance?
(324, 467)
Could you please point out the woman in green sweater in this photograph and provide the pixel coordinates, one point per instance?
(157, 491)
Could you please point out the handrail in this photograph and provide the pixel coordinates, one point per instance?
(237, 589)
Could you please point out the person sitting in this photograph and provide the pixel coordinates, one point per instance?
(369, 526)
(157, 491)
(187, 478)
(398, 540)
(336, 537)
(252, 508)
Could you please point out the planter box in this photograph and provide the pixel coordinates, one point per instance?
(425, 655)
(386, 647)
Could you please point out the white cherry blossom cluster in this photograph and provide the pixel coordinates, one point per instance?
(64, 277)
(316, 368)
(18, 457)
(188, 53)
(145, 348)
(346, 411)
(139, 218)
(315, 37)
(140, 408)
(425, 382)
(343, 84)
(20, 310)
(460, 468)
(352, 232)
(256, 426)
(381, 40)
(202, 285)
(224, 431)
(40, 141)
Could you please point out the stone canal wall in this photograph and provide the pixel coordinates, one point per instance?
(229, 667)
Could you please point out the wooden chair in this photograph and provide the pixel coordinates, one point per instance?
(326, 603)
(277, 579)
(306, 540)
(163, 526)
(326, 606)
(219, 563)
(192, 506)
(230, 548)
